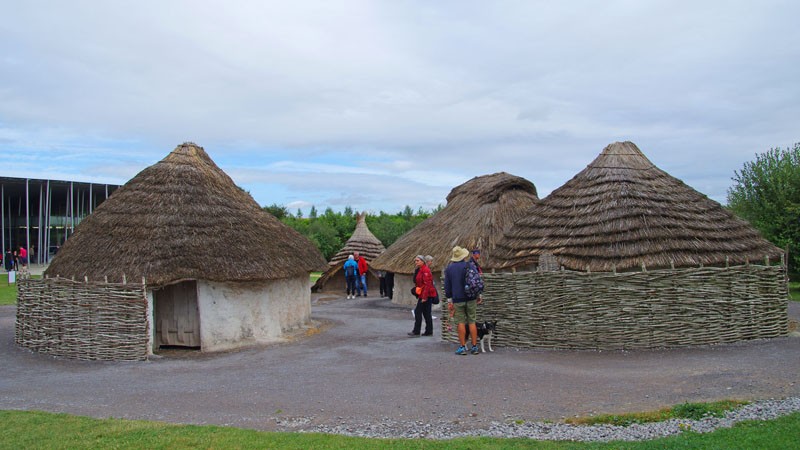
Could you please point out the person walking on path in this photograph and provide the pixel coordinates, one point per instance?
(350, 275)
(425, 292)
(363, 267)
(464, 309)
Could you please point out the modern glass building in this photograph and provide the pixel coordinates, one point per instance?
(42, 214)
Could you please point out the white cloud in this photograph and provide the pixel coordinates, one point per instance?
(406, 99)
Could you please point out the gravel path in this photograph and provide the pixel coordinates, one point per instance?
(361, 375)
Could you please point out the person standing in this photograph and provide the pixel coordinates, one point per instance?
(350, 275)
(8, 261)
(464, 309)
(363, 267)
(23, 258)
(382, 282)
(475, 259)
(389, 284)
(429, 263)
(425, 292)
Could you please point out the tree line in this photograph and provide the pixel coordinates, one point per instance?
(331, 230)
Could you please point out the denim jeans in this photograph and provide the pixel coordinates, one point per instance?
(362, 284)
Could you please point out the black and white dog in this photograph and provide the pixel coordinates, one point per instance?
(485, 332)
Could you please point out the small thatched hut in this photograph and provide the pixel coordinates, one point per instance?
(624, 256)
(219, 272)
(622, 212)
(363, 242)
(476, 215)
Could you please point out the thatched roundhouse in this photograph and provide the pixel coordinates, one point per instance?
(220, 273)
(625, 256)
(363, 242)
(476, 215)
(622, 212)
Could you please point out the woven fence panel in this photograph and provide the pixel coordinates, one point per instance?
(634, 310)
(88, 321)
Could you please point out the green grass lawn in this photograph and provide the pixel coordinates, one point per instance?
(33, 429)
(8, 293)
(315, 276)
(794, 290)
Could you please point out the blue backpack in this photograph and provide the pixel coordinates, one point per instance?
(473, 282)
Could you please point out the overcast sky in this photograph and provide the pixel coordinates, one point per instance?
(382, 104)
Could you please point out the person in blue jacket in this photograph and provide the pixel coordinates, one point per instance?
(350, 275)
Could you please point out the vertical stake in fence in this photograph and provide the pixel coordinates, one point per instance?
(124, 279)
(672, 264)
(766, 260)
(726, 262)
(85, 279)
(105, 278)
(644, 267)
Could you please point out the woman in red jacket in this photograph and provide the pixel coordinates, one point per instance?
(425, 293)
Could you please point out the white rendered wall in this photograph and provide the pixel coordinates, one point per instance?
(151, 324)
(402, 289)
(234, 315)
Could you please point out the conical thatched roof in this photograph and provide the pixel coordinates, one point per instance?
(183, 218)
(362, 241)
(622, 211)
(476, 214)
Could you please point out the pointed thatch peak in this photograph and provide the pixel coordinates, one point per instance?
(362, 241)
(476, 214)
(622, 211)
(622, 155)
(183, 218)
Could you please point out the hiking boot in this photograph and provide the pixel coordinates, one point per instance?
(412, 334)
(475, 350)
(461, 350)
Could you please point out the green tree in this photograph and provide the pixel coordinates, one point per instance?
(313, 213)
(279, 211)
(766, 192)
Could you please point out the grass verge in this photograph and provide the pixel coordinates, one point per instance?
(33, 429)
(8, 292)
(794, 290)
(694, 411)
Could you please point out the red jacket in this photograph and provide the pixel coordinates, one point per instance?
(424, 280)
(362, 265)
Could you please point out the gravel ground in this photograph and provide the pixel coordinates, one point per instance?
(357, 373)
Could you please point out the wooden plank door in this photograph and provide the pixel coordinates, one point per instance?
(177, 316)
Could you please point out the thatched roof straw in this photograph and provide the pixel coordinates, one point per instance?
(476, 214)
(362, 241)
(183, 218)
(622, 211)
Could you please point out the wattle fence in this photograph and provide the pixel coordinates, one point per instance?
(92, 321)
(634, 310)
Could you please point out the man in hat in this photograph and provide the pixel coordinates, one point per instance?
(464, 309)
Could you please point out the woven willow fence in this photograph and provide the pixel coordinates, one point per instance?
(90, 321)
(634, 310)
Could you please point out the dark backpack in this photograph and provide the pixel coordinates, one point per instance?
(473, 282)
(349, 271)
